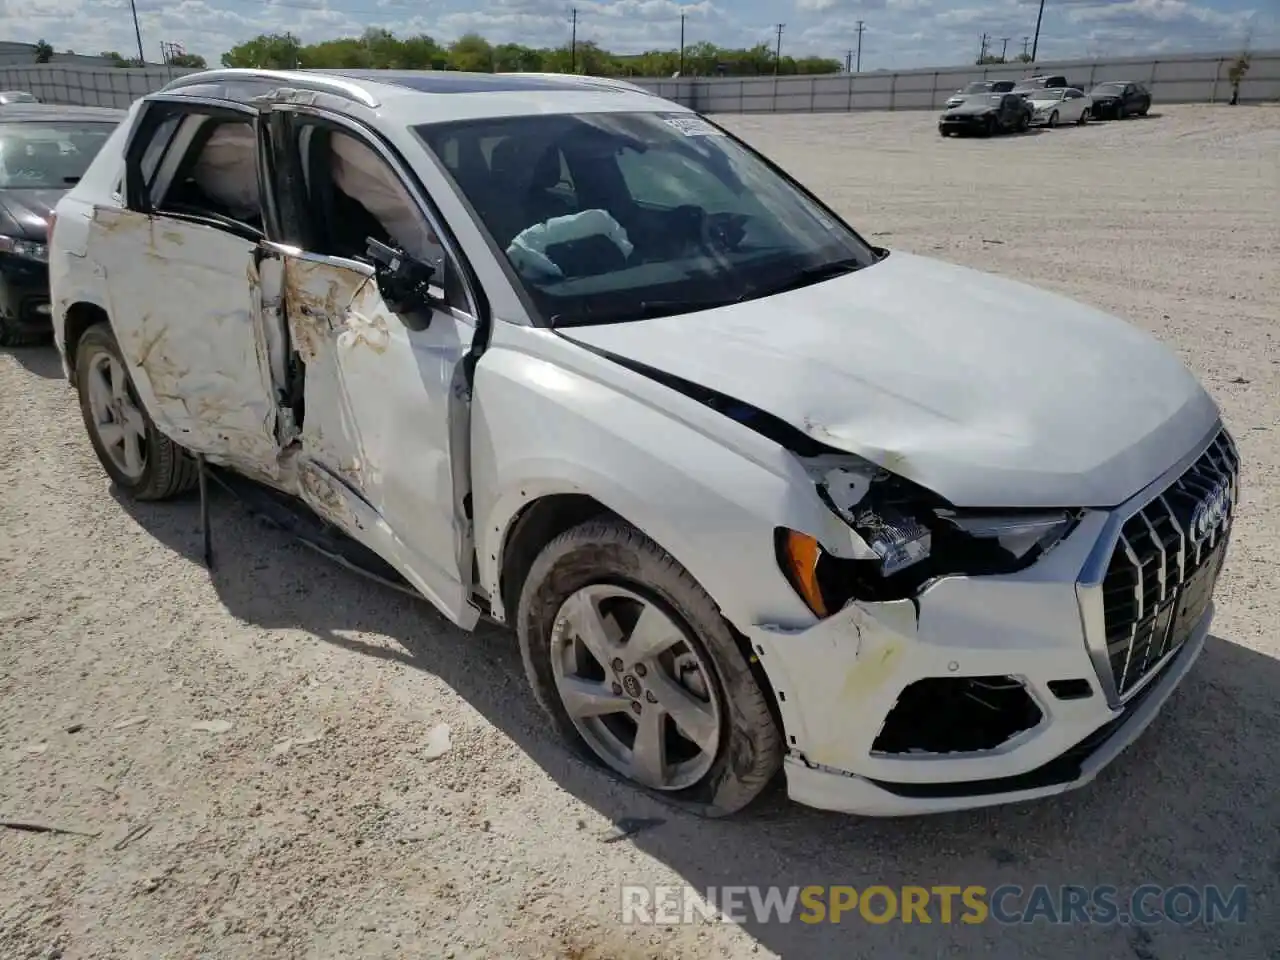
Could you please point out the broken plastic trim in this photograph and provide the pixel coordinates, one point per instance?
(957, 715)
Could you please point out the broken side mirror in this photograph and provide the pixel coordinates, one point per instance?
(404, 283)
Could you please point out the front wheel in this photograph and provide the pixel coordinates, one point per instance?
(1053, 119)
(637, 669)
(137, 456)
(990, 128)
(1084, 118)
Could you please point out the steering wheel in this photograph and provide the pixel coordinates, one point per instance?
(724, 232)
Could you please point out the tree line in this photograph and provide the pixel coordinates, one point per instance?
(379, 49)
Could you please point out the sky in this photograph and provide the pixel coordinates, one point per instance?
(897, 34)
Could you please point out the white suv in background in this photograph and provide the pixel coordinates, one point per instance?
(754, 493)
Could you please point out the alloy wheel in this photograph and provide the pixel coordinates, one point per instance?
(116, 417)
(639, 692)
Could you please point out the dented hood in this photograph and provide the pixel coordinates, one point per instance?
(989, 392)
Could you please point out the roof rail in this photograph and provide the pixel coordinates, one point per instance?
(610, 83)
(321, 83)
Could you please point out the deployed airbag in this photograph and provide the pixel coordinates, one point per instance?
(363, 175)
(528, 251)
(227, 169)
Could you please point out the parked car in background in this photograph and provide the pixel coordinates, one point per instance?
(979, 86)
(986, 114)
(1117, 99)
(45, 150)
(1054, 105)
(16, 96)
(755, 494)
(1043, 81)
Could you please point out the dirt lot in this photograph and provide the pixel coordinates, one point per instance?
(254, 749)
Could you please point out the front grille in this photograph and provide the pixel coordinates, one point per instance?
(1166, 563)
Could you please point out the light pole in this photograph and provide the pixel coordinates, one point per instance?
(137, 32)
(1036, 42)
(682, 44)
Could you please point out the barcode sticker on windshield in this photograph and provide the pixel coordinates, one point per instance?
(693, 126)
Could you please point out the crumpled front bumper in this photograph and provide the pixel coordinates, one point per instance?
(1078, 765)
(1040, 632)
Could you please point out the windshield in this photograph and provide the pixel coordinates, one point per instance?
(609, 217)
(17, 97)
(1054, 94)
(48, 155)
(977, 87)
(1108, 89)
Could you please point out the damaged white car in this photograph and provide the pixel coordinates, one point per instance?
(754, 493)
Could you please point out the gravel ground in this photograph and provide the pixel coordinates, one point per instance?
(254, 750)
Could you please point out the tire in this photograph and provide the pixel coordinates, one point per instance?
(1084, 118)
(167, 470)
(1120, 113)
(990, 128)
(609, 557)
(1053, 119)
(12, 335)
(1024, 123)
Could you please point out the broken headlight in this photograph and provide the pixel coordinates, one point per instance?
(910, 537)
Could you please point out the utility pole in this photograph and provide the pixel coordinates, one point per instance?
(573, 44)
(848, 61)
(861, 27)
(137, 32)
(777, 53)
(982, 51)
(1004, 47)
(1035, 44)
(682, 44)
(1026, 42)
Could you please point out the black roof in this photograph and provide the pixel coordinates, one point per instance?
(450, 81)
(11, 112)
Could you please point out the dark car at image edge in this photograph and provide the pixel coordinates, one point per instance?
(46, 149)
(1118, 99)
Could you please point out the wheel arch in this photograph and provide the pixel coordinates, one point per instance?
(78, 318)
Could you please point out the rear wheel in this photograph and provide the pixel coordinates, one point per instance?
(134, 453)
(637, 669)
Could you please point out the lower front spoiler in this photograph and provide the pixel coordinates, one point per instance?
(827, 789)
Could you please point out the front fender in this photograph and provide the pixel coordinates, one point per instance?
(549, 417)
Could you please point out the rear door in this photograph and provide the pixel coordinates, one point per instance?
(184, 269)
